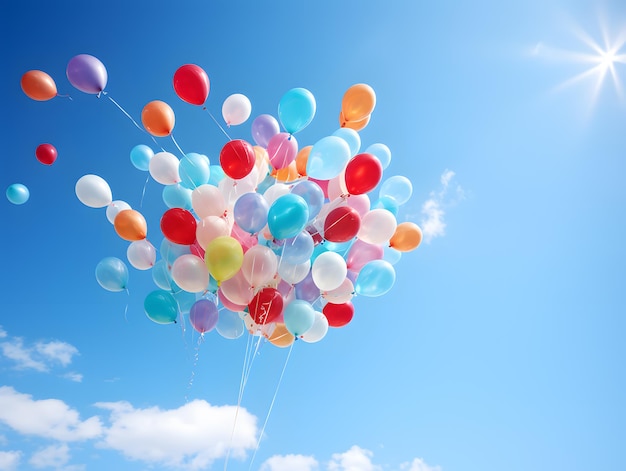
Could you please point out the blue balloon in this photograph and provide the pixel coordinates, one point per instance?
(287, 216)
(307, 289)
(298, 249)
(312, 194)
(112, 274)
(381, 152)
(299, 317)
(229, 324)
(161, 307)
(388, 203)
(391, 255)
(217, 175)
(250, 212)
(296, 109)
(177, 196)
(140, 157)
(161, 275)
(351, 137)
(184, 299)
(171, 251)
(194, 170)
(18, 193)
(327, 158)
(375, 278)
(397, 187)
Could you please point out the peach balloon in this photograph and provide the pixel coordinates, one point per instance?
(356, 125)
(301, 159)
(407, 237)
(130, 225)
(38, 85)
(358, 102)
(281, 337)
(158, 118)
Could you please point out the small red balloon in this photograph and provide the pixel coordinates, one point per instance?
(46, 154)
(179, 226)
(342, 224)
(191, 84)
(363, 173)
(266, 305)
(237, 158)
(338, 315)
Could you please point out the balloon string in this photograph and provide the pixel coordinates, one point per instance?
(126, 308)
(131, 118)
(143, 193)
(218, 124)
(65, 96)
(271, 406)
(176, 144)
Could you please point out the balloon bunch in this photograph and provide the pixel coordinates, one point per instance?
(282, 237)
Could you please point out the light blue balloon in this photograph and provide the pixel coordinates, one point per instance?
(381, 152)
(171, 251)
(161, 275)
(296, 109)
(397, 187)
(250, 212)
(177, 196)
(287, 216)
(298, 249)
(375, 278)
(18, 193)
(140, 157)
(351, 137)
(312, 194)
(194, 170)
(265, 184)
(388, 203)
(112, 274)
(328, 158)
(229, 325)
(391, 255)
(216, 175)
(184, 299)
(339, 247)
(299, 317)
(318, 250)
(161, 307)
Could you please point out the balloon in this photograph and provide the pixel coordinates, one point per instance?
(361, 203)
(294, 273)
(223, 257)
(296, 109)
(264, 127)
(377, 226)
(266, 305)
(351, 137)
(338, 315)
(250, 212)
(307, 290)
(375, 278)
(287, 216)
(361, 253)
(179, 226)
(190, 273)
(161, 275)
(38, 85)
(388, 203)
(281, 337)
(340, 295)
(161, 307)
(194, 170)
(381, 152)
(354, 125)
(141, 254)
(237, 289)
(391, 255)
(217, 174)
(397, 187)
(140, 156)
(237, 158)
(17, 193)
(259, 265)
(87, 73)
(164, 168)
(191, 84)
(312, 195)
(363, 172)
(177, 196)
(282, 150)
(318, 330)
(407, 237)
(46, 154)
(130, 225)
(207, 200)
(112, 274)
(328, 271)
(211, 227)
(158, 118)
(203, 315)
(299, 317)
(298, 249)
(301, 159)
(184, 299)
(171, 251)
(93, 191)
(342, 224)
(358, 102)
(236, 109)
(114, 208)
(275, 191)
(327, 158)
(229, 325)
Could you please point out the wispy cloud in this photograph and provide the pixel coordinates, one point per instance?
(10, 460)
(53, 456)
(290, 463)
(434, 208)
(73, 376)
(355, 459)
(418, 464)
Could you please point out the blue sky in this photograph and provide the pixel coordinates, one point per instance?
(500, 345)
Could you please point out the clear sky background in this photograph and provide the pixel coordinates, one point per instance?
(500, 346)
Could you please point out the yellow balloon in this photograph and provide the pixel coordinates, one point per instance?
(281, 337)
(223, 257)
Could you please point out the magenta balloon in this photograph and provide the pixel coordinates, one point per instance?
(361, 253)
(264, 127)
(203, 315)
(282, 150)
(87, 73)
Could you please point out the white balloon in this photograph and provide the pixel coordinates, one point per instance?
(209, 228)
(340, 295)
(328, 271)
(377, 226)
(93, 191)
(318, 330)
(141, 254)
(276, 191)
(207, 200)
(163, 168)
(236, 109)
(190, 273)
(114, 208)
(294, 273)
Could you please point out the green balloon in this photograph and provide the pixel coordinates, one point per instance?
(161, 307)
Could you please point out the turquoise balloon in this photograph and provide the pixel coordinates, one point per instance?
(18, 193)
(112, 274)
(184, 299)
(194, 170)
(171, 251)
(140, 157)
(161, 275)
(161, 307)
(229, 325)
(397, 187)
(388, 203)
(375, 279)
(299, 317)
(391, 255)
(296, 109)
(381, 152)
(351, 137)
(177, 196)
(327, 158)
(287, 216)
(217, 175)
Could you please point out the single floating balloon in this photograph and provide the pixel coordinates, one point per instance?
(158, 118)
(236, 109)
(161, 307)
(264, 127)
(406, 237)
(38, 85)
(87, 74)
(191, 84)
(46, 153)
(112, 274)
(358, 102)
(17, 193)
(93, 191)
(130, 225)
(296, 109)
(140, 156)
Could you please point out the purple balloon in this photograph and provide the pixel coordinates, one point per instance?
(307, 290)
(87, 73)
(264, 127)
(203, 315)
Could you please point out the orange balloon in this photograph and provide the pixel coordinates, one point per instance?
(356, 125)
(158, 118)
(38, 85)
(130, 225)
(281, 337)
(407, 237)
(301, 159)
(286, 174)
(358, 102)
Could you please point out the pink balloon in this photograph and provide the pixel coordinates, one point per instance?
(237, 290)
(229, 304)
(282, 150)
(361, 253)
(209, 228)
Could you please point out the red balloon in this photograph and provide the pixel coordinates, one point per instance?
(46, 154)
(191, 84)
(266, 305)
(179, 226)
(363, 173)
(338, 315)
(237, 158)
(341, 224)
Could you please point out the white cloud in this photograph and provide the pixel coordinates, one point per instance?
(3, 333)
(73, 376)
(290, 463)
(418, 464)
(48, 418)
(39, 357)
(433, 210)
(355, 459)
(9, 460)
(56, 351)
(22, 356)
(190, 437)
(54, 456)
